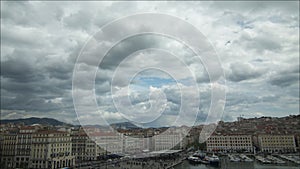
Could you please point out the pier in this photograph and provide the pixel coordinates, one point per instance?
(292, 158)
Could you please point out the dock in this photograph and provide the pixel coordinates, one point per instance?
(292, 158)
(262, 160)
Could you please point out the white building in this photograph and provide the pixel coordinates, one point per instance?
(167, 141)
(133, 144)
(109, 141)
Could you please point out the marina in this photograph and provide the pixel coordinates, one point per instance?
(201, 158)
(245, 158)
(262, 160)
(275, 160)
(234, 158)
(246, 161)
(292, 158)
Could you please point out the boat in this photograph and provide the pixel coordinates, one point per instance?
(194, 159)
(245, 158)
(214, 160)
(275, 160)
(233, 158)
(201, 158)
(199, 154)
(204, 161)
(197, 160)
(248, 160)
(263, 160)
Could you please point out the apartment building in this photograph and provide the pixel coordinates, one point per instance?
(133, 144)
(83, 148)
(109, 141)
(8, 150)
(51, 149)
(297, 137)
(167, 141)
(229, 143)
(276, 143)
(23, 146)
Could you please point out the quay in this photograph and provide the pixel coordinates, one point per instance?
(275, 160)
(262, 160)
(292, 158)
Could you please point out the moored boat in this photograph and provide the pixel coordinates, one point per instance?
(214, 160)
(194, 159)
(199, 154)
(233, 158)
(245, 158)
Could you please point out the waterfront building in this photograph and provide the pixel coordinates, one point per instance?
(83, 148)
(297, 137)
(51, 149)
(23, 146)
(133, 144)
(15, 147)
(229, 143)
(276, 143)
(167, 141)
(111, 142)
(8, 149)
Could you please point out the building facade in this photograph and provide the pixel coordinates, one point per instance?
(85, 149)
(51, 149)
(8, 150)
(111, 142)
(23, 146)
(133, 144)
(229, 143)
(276, 143)
(167, 141)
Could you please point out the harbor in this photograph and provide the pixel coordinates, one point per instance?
(293, 158)
(246, 161)
(200, 160)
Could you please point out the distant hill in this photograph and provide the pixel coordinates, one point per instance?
(262, 125)
(124, 125)
(34, 120)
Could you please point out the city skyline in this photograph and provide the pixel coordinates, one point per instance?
(257, 44)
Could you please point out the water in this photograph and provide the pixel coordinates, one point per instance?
(225, 164)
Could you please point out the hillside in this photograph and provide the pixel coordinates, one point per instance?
(35, 120)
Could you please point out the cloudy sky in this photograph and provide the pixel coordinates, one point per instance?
(257, 44)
